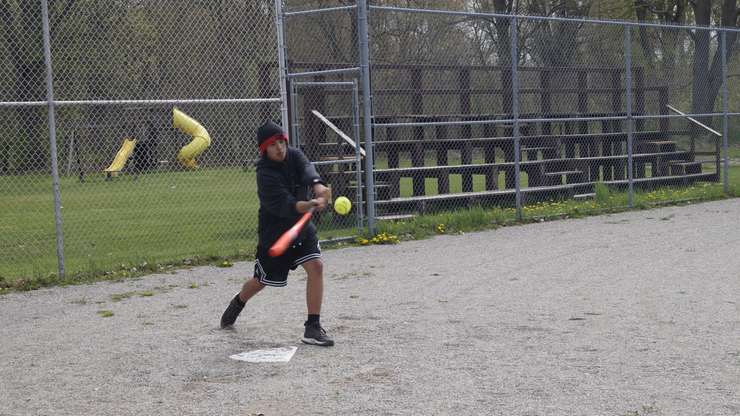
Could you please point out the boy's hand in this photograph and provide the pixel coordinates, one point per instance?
(322, 191)
(323, 196)
(319, 203)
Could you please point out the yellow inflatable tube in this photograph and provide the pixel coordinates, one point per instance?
(201, 139)
(121, 157)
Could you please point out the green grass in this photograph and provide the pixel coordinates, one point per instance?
(126, 223)
(117, 297)
(126, 226)
(164, 221)
(605, 201)
(734, 152)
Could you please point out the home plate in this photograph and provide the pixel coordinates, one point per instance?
(271, 355)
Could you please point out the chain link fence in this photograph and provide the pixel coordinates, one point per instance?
(156, 107)
(405, 111)
(474, 108)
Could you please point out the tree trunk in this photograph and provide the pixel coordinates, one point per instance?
(700, 96)
(708, 72)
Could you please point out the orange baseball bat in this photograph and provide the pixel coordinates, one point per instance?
(282, 243)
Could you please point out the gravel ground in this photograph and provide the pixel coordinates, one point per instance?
(629, 314)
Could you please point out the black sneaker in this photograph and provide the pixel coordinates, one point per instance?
(315, 335)
(231, 313)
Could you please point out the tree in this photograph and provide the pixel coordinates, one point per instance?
(665, 49)
(22, 39)
(707, 68)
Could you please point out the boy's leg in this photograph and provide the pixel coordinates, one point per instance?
(267, 272)
(250, 288)
(314, 285)
(314, 333)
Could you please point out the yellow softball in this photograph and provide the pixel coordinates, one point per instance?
(342, 205)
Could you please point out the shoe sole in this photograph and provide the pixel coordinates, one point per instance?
(312, 341)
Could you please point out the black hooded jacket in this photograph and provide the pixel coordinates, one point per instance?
(279, 186)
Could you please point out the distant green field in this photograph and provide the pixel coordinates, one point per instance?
(158, 217)
(157, 221)
(165, 218)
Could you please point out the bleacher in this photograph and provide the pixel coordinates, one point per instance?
(414, 167)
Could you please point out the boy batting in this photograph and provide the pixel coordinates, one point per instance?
(284, 176)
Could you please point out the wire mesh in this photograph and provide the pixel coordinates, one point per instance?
(321, 41)
(293, 6)
(733, 102)
(141, 203)
(322, 105)
(136, 190)
(444, 104)
(443, 117)
(162, 49)
(733, 75)
(325, 116)
(27, 204)
(574, 73)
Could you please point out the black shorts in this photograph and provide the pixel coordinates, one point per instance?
(273, 271)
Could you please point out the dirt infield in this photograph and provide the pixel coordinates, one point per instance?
(628, 314)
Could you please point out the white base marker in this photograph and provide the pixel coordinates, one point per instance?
(272, 355)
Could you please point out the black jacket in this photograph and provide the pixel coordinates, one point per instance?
(279, 186)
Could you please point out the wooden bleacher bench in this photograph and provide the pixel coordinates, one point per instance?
(684, 168)
(563, 162)
(396, 217)
(537, 149)
(656, 146)
(481, 168)
(336, 158)
(564, 173)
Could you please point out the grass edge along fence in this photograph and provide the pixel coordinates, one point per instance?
(419, 227)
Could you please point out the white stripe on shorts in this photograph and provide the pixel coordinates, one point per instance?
(262, 278)
(306, 258)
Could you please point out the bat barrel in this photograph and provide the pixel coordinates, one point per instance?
(282, 243)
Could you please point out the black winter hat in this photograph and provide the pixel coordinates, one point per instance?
(268, 130)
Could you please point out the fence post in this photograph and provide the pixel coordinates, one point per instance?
(294, 137)
(725, 127)
(628, 88)
(515, 114)
(358, 157)
(366, 111)
(52, 138)
(282, 65)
